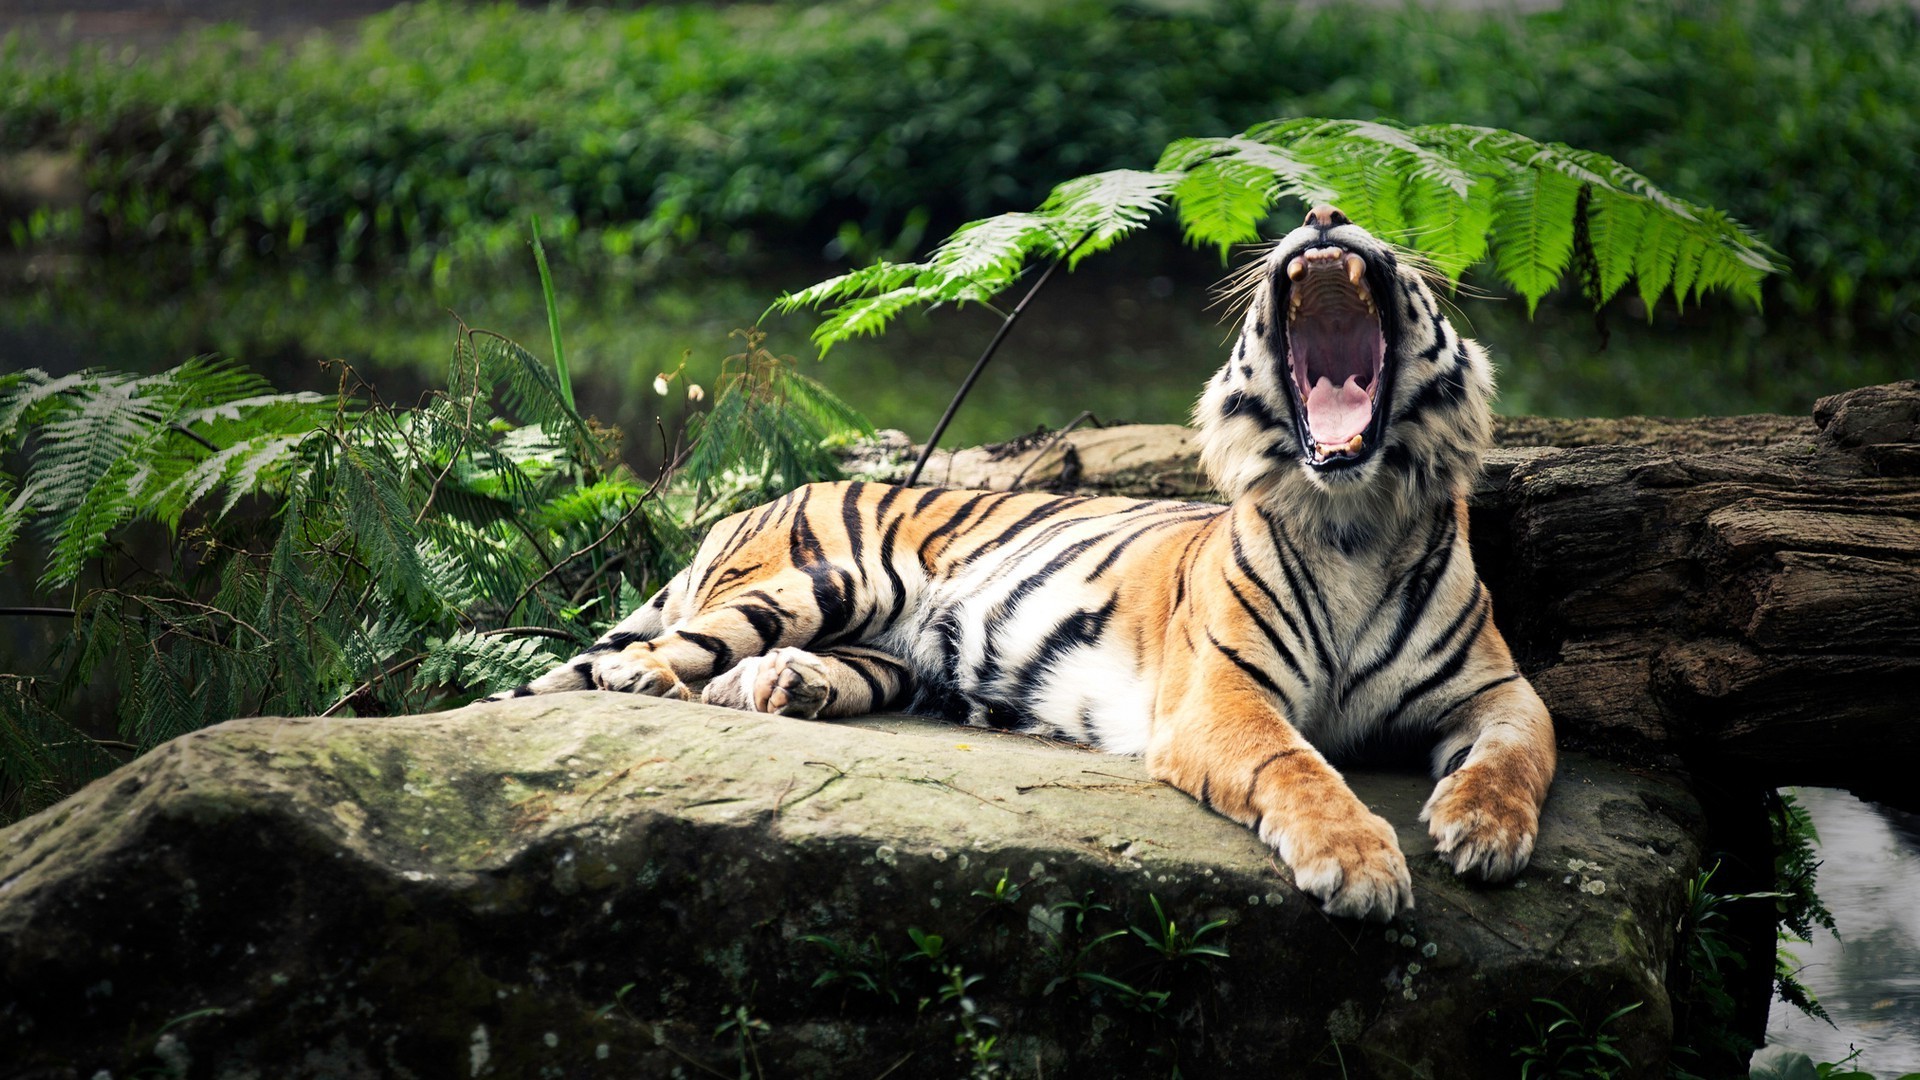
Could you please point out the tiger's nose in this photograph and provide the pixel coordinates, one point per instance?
(1325, 217)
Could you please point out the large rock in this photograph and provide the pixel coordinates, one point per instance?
(590, 884)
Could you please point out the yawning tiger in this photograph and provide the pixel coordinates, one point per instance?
(1332, 603)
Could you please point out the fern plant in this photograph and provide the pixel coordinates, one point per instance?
(340, 555)
(1453, 192)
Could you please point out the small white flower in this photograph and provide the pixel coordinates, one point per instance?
(694, 393)
(660, 385)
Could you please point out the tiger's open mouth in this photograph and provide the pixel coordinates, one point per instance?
(1336, 356)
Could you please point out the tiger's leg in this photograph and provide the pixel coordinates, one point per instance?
(847, 680)
(577, 673)
(780, 610)
(1493, 768)
(1225, 743)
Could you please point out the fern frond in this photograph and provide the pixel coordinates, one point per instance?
(1442, 189)
(373, 506)
(1533, 231)
(475, 661)
(879, 278)
(868, 315)
(1091, 213)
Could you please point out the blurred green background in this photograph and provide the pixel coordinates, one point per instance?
(289, 193)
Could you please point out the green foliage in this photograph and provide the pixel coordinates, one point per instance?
(432, 130)
(1441, 189)
(1164, 978)
(1795, 875)
(1565, 1044)
(345, 555)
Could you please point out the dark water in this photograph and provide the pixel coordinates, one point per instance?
(1868, 979)
(1130, 338)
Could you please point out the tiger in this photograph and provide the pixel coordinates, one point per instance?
(1242, 649)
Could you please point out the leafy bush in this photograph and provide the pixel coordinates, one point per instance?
(638, 134)
(345, 555)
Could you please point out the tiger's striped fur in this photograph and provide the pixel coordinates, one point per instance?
(1333, 603)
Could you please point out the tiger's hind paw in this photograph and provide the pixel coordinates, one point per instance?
(784, 682)
(1481, 830)
(638, 671)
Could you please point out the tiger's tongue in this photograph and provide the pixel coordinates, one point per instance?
(1338, 413)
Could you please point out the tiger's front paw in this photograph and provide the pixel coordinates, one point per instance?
(1482, 829)
(784, 682)
(635, 670)
(1351, 864)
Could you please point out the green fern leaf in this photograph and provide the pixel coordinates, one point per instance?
(1452, 232)
(868, 315)
(1616, 229)
(372, 503)
(1533, 231)
(1222, 202)
(1092, 213)
(1660, 239)
(878, 278)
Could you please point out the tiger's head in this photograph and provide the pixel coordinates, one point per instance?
(1347, 391)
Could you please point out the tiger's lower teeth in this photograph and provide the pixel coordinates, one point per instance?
(1351, 446)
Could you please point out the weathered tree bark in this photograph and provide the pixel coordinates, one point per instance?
(1738, 592)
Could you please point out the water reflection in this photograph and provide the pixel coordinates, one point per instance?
(1869, 980)
(1130, 336)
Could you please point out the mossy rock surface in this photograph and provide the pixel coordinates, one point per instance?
(590, 884)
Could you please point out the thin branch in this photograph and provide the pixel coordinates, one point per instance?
(652, 489)
(530, 631)
(966, 386)
(1050, 443)
(50, 612)
(182, 429)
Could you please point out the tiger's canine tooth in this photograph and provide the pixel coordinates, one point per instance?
(1296, 268)
(1355, 268)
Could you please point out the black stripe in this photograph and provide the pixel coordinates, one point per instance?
(951, 525)
(1273, 639)
(1077, 629)
(1239, 403)
(989, 669)
(1246, 567)
(618, 639)
(850, 520)
(1113, 555)
(1027, 521)
(1206, 792)
(1456, 706)
(1445, 671)
(1303, 586)
(722, 652)
(1454, 626)
(766, 622)
(1252, 670)
(522, 691)
(1445, 390)
(734, 573)
(893, 574)
(1253, 781)
(875, 695)
(1416, 595)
